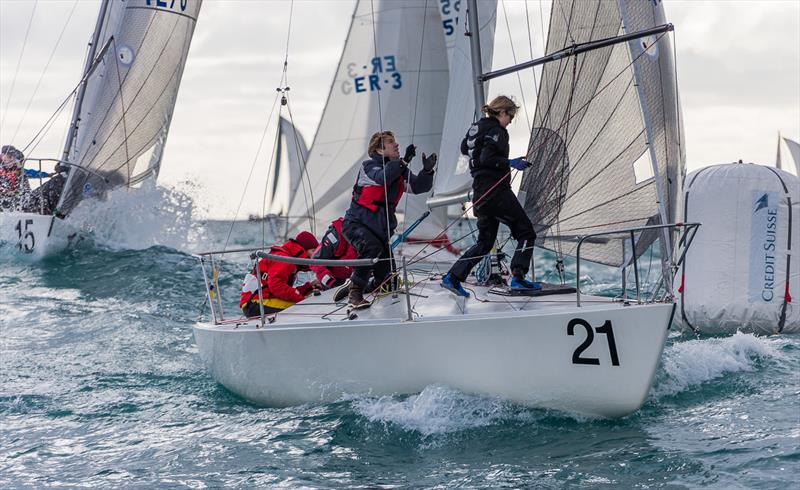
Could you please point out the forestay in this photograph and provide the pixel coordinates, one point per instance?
(453, 175)
(130, 95)
(605, 140)
(376, 87)
(288, 162)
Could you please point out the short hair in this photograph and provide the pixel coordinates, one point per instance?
(499, 104)
(376, 142)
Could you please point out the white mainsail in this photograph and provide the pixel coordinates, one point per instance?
(288, 163)
(381, 83)
(453, 175)
(130, 95)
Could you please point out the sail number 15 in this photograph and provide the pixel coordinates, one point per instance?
(606, 329)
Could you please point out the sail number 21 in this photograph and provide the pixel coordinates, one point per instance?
(603, 329)
(170, 4)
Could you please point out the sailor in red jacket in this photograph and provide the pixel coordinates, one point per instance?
(277, 278)
(334, 246)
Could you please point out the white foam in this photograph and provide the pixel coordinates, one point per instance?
(436, 410)
(136, 219)
(691, 363)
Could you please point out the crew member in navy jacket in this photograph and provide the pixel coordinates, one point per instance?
(365, 223)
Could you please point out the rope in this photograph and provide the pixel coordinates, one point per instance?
(19, 61)
(44, 70)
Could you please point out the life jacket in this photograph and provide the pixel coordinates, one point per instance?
(251, 279)
(371, 195)
(9, 178)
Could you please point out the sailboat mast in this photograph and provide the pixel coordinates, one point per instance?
(73, 125)
(778, 163)
(475, 54)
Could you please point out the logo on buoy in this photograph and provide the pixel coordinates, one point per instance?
(763, 248)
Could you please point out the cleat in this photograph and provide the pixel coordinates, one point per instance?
(454, 286)
(519, 283)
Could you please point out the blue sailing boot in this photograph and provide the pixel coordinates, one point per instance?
(522, 284)
(454, 286)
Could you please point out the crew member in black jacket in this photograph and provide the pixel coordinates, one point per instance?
(486, 144)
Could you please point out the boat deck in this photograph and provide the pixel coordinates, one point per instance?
(429, 301)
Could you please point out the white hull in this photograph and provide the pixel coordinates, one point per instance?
(35, 235)
(516, 348)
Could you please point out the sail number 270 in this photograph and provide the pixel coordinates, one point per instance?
(170, 4)
(606, 329)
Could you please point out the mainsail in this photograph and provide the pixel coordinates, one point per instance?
(606, 143)
(131, 88)
(288, 163)
(392, 76)
(453, 175)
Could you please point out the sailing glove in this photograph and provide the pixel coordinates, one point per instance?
(411, 152)
(429, 163)
(519, 163)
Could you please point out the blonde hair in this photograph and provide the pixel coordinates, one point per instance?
(499, 104)
(376, 142)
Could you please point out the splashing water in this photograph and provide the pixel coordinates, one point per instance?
(136, 219)
(436, 410)
(694, 362)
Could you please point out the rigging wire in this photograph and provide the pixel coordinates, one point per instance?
(380, 124)
(416, 105)
(19, 61)
(514, 57)
(44, 70)
(250, 174)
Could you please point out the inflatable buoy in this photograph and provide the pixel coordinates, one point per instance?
(740, 272)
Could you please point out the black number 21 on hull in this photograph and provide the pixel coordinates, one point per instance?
(606, 329)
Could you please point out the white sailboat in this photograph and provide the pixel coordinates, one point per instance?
(123, 109)
(566, 351)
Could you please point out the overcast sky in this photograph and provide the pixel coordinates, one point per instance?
(738, 70)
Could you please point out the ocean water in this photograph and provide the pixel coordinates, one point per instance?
(101, 386)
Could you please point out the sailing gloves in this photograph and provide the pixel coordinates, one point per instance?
(519, 163)
(411, 152)
(429, 163)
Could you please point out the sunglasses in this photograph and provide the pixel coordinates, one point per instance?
(510, 115)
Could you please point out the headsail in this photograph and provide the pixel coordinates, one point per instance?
(453, 175)
(131, 90)
(288, 163)
(376, 89)
(794, 150)
(606, 143)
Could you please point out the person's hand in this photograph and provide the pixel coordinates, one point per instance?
(519, 163)
(411, 152)
(305, 289)
(315, 284)
(429, 163)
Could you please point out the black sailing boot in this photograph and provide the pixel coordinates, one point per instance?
(356, 299)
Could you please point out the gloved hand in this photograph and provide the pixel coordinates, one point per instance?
(411, 152)
(305, 289)
(519, 163)
(429, 163)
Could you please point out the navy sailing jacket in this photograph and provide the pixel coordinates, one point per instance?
(372, 173)
(486, 145)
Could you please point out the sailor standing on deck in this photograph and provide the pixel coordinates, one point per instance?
(370, 221)
(486, 144)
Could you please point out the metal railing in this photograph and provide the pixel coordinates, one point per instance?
(690, 230)
(214, 296)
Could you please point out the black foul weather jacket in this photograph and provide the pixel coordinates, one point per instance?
(486, 145)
